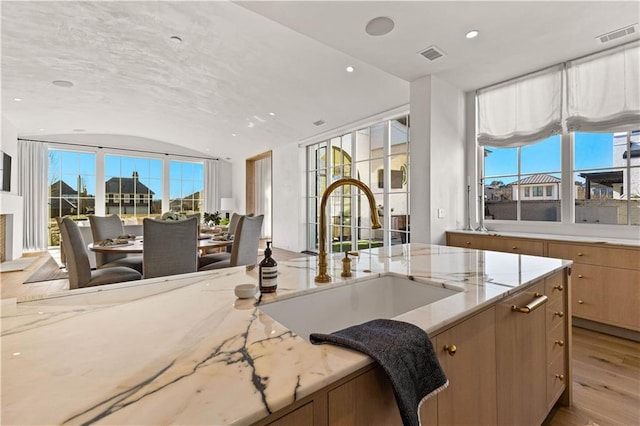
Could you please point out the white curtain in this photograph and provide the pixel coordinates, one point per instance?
(521, 111)
(603, 91)
(263, 194)
(211, 186)
(33, 162)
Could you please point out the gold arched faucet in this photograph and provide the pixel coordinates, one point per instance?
(322, 276)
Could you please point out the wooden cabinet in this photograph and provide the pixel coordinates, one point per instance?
(490, 242)
(506, 368)
(606, 277)
(471, 370)
(521, 360)
(606, 282)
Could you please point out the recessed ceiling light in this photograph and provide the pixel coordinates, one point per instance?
(233, 134)
(273, 114)
(251, 125)
(42, 130)
(379, 26)
(176, 39)
(472, 34)
(62, 83)
(17, 99)
(350, 69)
(78, 130)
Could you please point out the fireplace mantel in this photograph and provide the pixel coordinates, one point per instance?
(11, 206)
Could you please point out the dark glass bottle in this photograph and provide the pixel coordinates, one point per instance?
(268, 272)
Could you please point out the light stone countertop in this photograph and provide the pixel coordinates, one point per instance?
(184, 350)
(558, 237)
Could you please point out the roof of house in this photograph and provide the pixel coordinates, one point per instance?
(124, 185)
(537, 179)
(60, 187)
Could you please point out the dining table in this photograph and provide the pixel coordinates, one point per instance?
(136, 246)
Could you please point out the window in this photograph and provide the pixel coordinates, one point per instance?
(377, 156)
(549, 191)
(129, 177)
(186, 183)
(514, 180)
(607, 177)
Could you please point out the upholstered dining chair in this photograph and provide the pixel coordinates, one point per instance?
(103, 227)
(244, 250)
(170, 247)
(80, 273)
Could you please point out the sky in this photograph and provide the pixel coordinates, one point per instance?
(592, 151)
(185, 177)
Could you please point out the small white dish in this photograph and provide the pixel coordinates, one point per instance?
(245, 291)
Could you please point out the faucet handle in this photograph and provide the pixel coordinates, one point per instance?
(346, 263)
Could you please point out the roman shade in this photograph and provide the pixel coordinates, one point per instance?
(603, 91)
(521, 111)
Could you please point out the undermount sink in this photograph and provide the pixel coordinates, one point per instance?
(335, 308)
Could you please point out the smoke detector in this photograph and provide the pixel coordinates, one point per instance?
(619, 33)
(432, 53)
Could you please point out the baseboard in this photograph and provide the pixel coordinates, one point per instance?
(607, 329)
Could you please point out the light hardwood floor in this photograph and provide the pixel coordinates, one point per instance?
(606, 382)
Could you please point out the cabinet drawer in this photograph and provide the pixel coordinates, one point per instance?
(607, 295)
(556, 377)
(466, 241)
(555, 313)
(555, 342)
(515, 245)
(605, 256)
(554, 287)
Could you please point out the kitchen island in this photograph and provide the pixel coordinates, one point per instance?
(184, 350)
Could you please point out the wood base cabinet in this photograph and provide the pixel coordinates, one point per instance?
(504, 367)
(606, 280)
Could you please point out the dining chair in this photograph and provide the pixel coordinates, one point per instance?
(103, 227)
(170, 247)
(78, 266)
(244, 250)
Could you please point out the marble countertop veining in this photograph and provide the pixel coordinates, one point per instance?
(184, 350)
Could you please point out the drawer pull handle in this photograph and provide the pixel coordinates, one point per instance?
(558, 287)
(579, 254)
(451, 349)
(560, 376)
(539, 300)
(579, 275)
(559, 342)
(580, 302)
(514, 247)
(559, 314)
(468, 242)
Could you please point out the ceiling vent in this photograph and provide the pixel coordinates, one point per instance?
(318, 123)
(619, 33)
(432, 53)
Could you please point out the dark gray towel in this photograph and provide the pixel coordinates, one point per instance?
(405, 353)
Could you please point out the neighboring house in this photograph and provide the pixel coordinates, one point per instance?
(127, 196)
(536, 187)
(64, 200)
(190, 203)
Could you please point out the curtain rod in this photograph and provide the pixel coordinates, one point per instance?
(554, 65)
(119, 149)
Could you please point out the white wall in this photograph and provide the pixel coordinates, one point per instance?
(288, 197)
(10, 203)
(437, 142)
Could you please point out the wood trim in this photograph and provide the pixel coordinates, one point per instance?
(250, 180)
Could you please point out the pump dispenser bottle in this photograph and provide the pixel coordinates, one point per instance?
(268, 272)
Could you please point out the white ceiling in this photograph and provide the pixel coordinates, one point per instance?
(240, 61)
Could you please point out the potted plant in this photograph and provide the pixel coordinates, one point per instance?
(212, 219)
